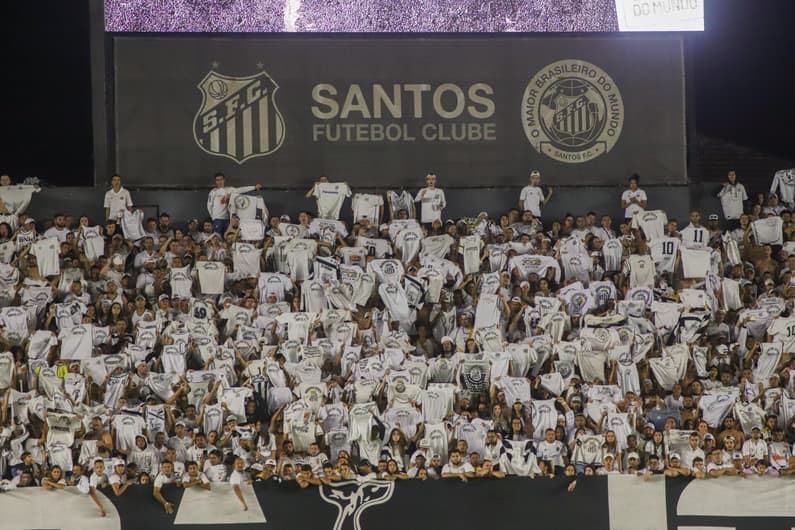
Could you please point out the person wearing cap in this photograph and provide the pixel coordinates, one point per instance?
(118, 478)
(675, 468)
(365, 471)
(269, 470)
(464, 331)
(181, 440)
(608, 466)
(709, 444)
(632, 466)
(754, 448)
(532, 197)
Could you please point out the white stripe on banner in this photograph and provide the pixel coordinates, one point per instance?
(739, 497)
(67, 509)
(220, 505)
(636, 504)
(707, 528)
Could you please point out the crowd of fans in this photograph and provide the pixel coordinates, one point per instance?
(247, 347)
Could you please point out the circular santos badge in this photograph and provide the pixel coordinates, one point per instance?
(572, 111)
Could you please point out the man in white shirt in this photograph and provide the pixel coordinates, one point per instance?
(754, 449)
(330, 196)
(432, 200)
(634, 199)
(117, 199)
(59, 229)
(694, 235)
(455, 468)
(218, 202)
(532, 196)
(166, 476)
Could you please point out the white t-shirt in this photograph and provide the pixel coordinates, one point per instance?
(694, 237)
(731, 200)
(612, 251)
(117, 202)
(211, 276)
(652, 222)
(330, 196)
(246, 260)
(663, 251)
(200, 476)
(460, 469)
(46, 251)
(531, 199)
(77, 342)
(640, 270)
(162, 479)
(433, 202)
(367, 206)
(218, 200)
(237, 478)
(695, 263)
(783, 330)
(768, 230)
(131, 225)
(632, 209)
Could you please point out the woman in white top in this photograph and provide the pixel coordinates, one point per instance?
(54, 479)
(634, 199)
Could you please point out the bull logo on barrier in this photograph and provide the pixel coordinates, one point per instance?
(352, 498)
(572, 111)
(238, 117)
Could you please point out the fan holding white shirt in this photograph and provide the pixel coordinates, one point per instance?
(432, 201)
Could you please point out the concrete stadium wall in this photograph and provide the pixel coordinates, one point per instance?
(186, 204)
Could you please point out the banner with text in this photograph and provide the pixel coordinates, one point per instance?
(380, 112)
(617, 502)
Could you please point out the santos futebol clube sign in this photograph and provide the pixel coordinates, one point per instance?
(571, 111)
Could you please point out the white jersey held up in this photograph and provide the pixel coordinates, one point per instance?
(432, 203)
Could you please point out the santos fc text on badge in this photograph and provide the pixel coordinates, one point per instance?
(403, 113)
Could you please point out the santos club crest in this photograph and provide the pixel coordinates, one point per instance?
(572, 111)
(238, 118)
